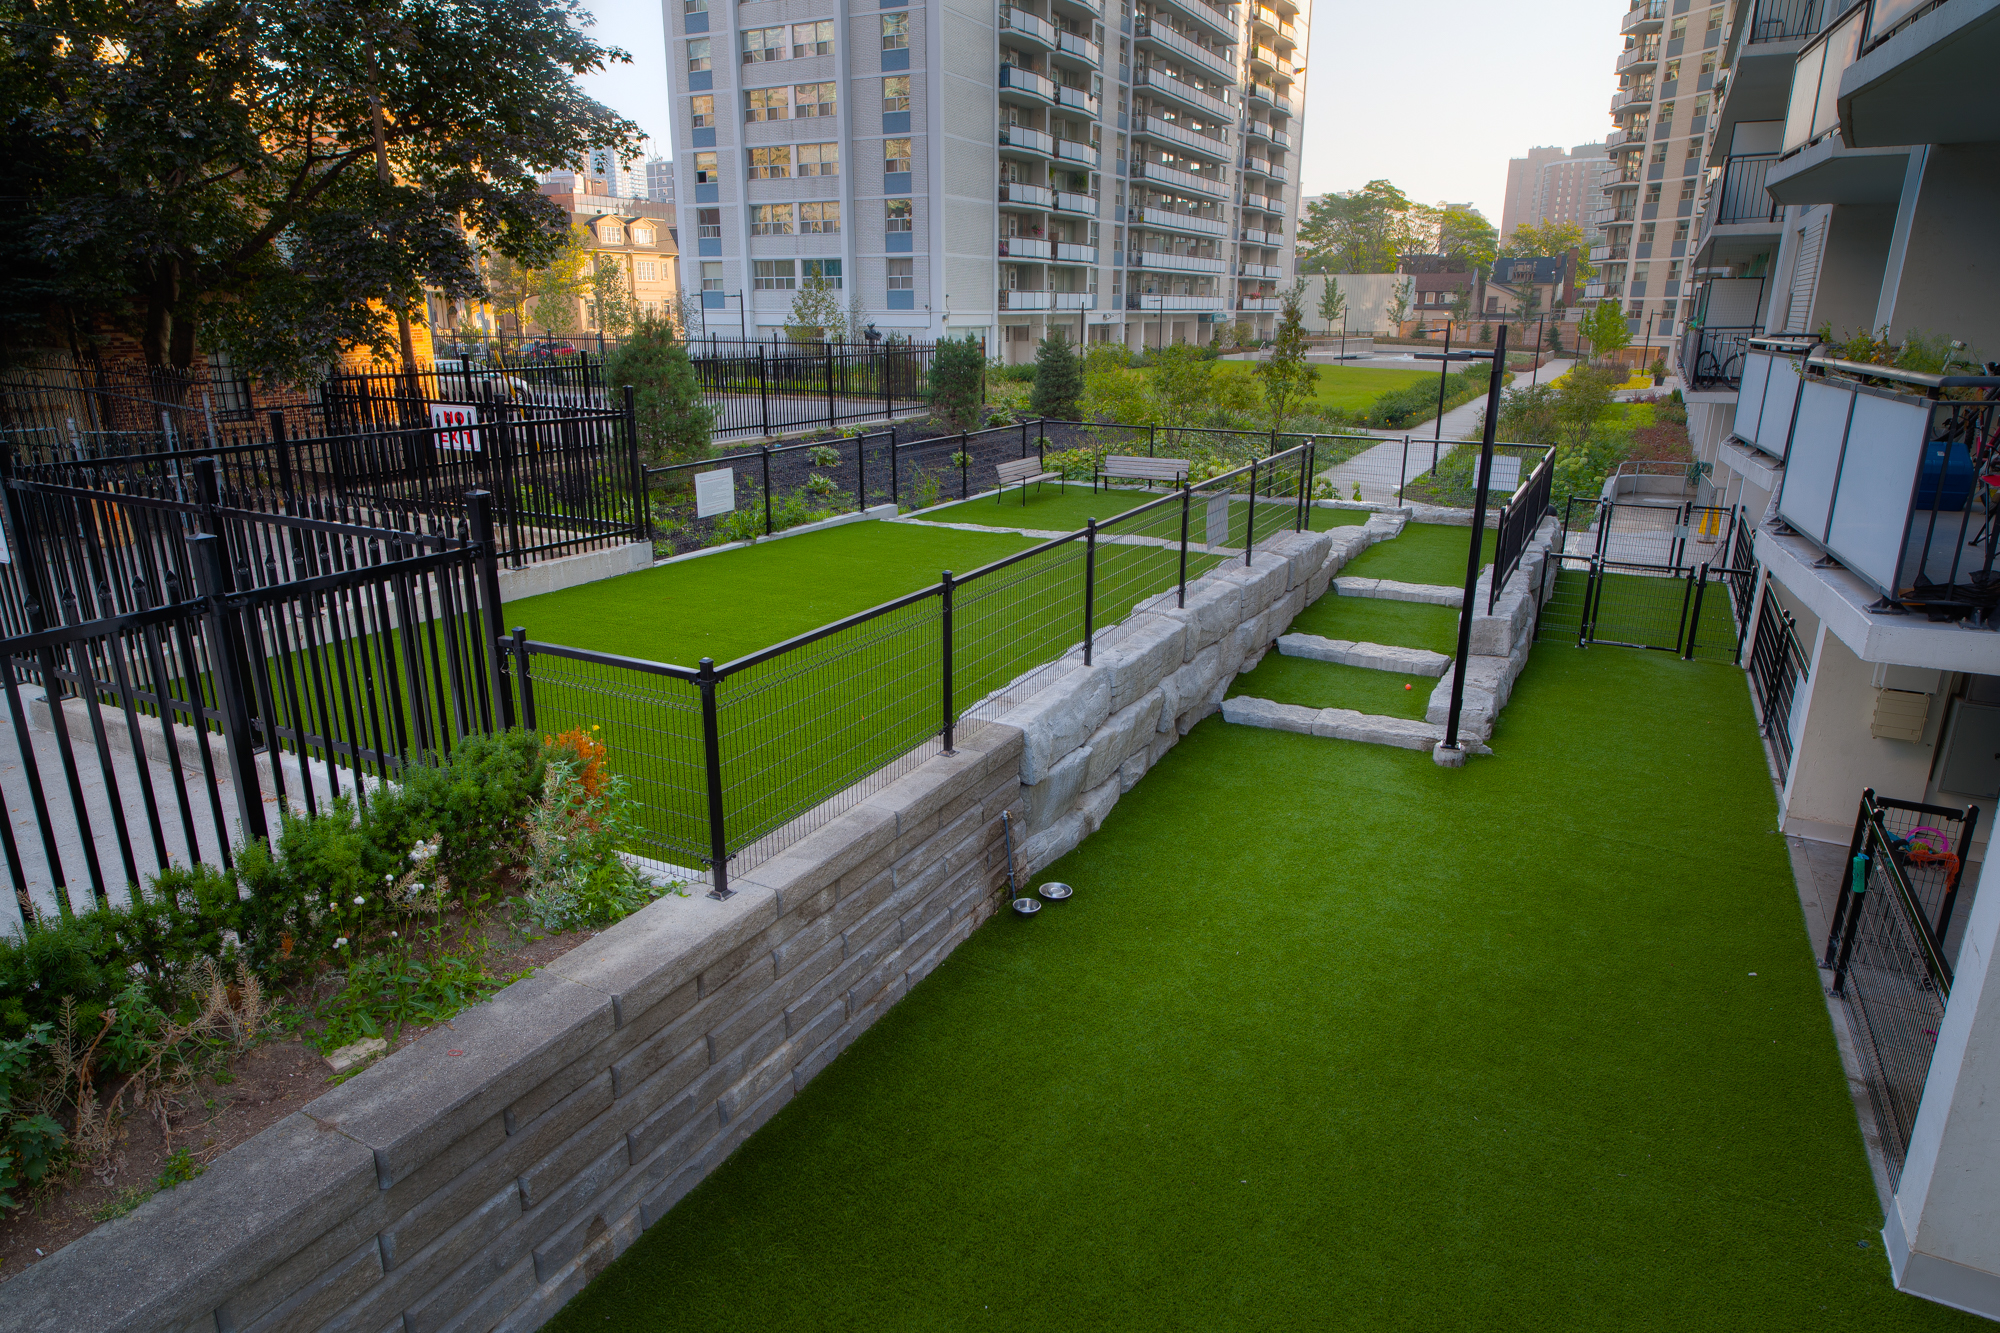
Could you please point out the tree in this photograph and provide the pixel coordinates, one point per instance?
(282, 181)
(1399, 304)
(1332, 303)
(611, 296)
(855, 321)
(1461, 303)
(1550, 239)
(507, 287)
(958, 379)
(555, 286)
(1555, 336)
(1606, 330)
(815, 311)
(1358, 231)
(1465, 234)
(673, 418)
(1581, 398)
(1288, 379)
(1058, 378)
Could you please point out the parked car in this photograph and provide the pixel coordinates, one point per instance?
(543, 348)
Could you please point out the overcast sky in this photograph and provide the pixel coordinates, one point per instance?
(1434, 95)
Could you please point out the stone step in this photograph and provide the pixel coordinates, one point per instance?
(1341, 724)
(1374, 656)
(1390, 590)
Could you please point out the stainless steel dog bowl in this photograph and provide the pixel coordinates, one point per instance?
(1054, 892)
(1027, 906)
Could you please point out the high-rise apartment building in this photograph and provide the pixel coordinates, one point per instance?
(1555, 185)
(1126, 172)
(1666, 82)
(660, 180)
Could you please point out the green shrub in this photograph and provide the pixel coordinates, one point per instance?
(30, 1141)
(1024, 373)
(958, 371)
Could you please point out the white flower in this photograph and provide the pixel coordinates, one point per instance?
(392, 934)
(359, 899)
(388, 879)
(340, 943)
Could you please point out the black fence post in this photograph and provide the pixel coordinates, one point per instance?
(281, 451)
(711, 738)
(1187, 500)
(1694, 616)
(1483, 478)
(1250, 517)
(861, 472)
(763, 394)
(964, 466)
(1149, 439)
(642, 513)
(1024, 439)
(764, 457)
(1089, 583)
(1305, 483)
(895, 474)
(521, 674)
(944, 644)
(225, 659)
(1403, 474)
(830, 417)
(479, 519)
(888, 393)
(1857, 886)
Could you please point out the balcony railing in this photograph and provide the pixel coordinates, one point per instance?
(1027, 81)
(1067, 253)
(1032, 196)
(1169, 86)
(1025, 300)
(1160, 35)
(1712, 358)
(1184, 180)
(1022, 139)
(1259, 303)
(1260, 271)
(1255, 236)
(1783, 20)
(1068, 201)
(1028, 25)
(1077, 99)
(1023, 247)
(1178, 263)
(1152, 127)
(1814, 111)
(1069, 150)
(1146, 301)
(1221, 21)
(1076, 300)
(1646, 54)
(1644, 15)
(1882, 479)
(1174, 221)
(1741, 196)
(1082, 48)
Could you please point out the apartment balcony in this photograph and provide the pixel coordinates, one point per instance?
(1281, 139)
(1878, 478)
(1257, 129)
(1219, 22)
(1642, 57)
(1031, 29)
(1739, 197)
(1160, 259)
(1023, 195)
(1077, 100)
(1075, 301)
(1069, 150)
(1282, 104)
(1070, 202)
(1066, 253)
(1043, 300)
(1617, 137)
(1076, 50)
(1927, 81)
(1647, 16)
(1024, 247)
(1021, 141)
(1783, 21)
(1259, 271)
(1259, 303)
(1173, 221)
(1184, 181)
(1255, 236)
(1274, 204)
(1625, 97)
(1094, 8)
(1024, 85)
(1161, 38)
(1166, 85)
(1147, 303)
(1152, 127)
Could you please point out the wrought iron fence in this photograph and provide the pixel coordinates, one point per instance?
(1887, 951)
(1712, 357)
(1777, 665)
(1646, 576)
(769, 388)
(1524, 513)
(732, 762)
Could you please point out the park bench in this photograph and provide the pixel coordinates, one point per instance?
(1021, 472)
(1123, 467)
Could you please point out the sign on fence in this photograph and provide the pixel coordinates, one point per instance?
(714, 492)
(1218, 520)
(1506, 474)
(453, 423)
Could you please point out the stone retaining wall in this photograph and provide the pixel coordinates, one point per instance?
(1501, 639)
(479, 1177)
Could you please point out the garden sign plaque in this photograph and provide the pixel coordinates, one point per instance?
(714, 492)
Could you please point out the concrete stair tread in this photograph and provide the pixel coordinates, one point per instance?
(1372, 656)
(1391, 590)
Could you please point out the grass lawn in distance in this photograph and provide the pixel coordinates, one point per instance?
(1310, 684)
(1349, 388)
(1054, 511)
(1333, 1038)
(1379, 620)
(1424, 553)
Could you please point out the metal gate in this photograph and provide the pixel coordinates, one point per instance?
(1660, 577)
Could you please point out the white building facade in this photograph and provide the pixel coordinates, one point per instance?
(1124, 171)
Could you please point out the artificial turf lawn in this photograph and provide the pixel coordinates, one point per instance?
(1349, 388)
(1423, 553)
(1637, 609)
(1379, 620)
(1331, 1037)
(1311, 684)
(1051, 510)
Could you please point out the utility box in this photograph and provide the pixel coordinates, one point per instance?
(1920, 680)
(1900, 715)
(1970, 764)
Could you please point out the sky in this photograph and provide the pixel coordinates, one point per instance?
(1433, 95)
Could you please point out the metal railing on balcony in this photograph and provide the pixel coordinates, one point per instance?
(1168, 86)
(1147, 302)
(1069, 150)
(1152, 127)
(1024, 140)
(1643, 15)
(1081, 48)
(1068, 253)
(1814, 110)
(1020, 193)
(1021, 22)
(1020, 80)
(1069, 201)
(1175, 220)
(1077, 99)
(1076, 301)
(1016, 300)
(1646, 53)
(1176, 263)
(1712, 358)
(1783, 21)
(1185, 181)
(1166, 39)
(1741, 196)
(1024, 247)
(1259, 303)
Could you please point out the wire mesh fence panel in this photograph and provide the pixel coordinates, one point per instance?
(1139, 555)
(649, 720)
(762, 388)
(1562, 615)
(804, 726)
(1014, 620)
(1932, 844)
(957, 467)
(1638, 607)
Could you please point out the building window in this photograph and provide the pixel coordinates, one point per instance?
(1666, 116)
(775, 275)
(898, 215)
(1716, 16)
(1660, 151)
(650, 272)
(711, 276)
(812, 39)
(827, 270)
(895, 32)
(1687, 190)
(813, 99)
(697, 55)
(770, 163)
(819, 159)
(902, 275)
(1673, 272)
(610, 232)
(1700, 109)
(705, 172)
(644, 235)
(823, 218)
(1672, 73)
(696, 6)
(767, 103)
(770, 219)
(708, 223)
(1680, 231)
(704, 111)
(1678, 31)
(896, 155)
(895, 94)
(762, 44)
(1653, 193)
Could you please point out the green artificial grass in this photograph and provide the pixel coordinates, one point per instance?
(1348, 388)
(1051, 510)
(1424, 553)
(1331, 1037)
(1644, 611)
(1379, 620)
(1310, 684)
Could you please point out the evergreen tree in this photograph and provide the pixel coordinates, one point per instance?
(1058, 378)
(1288, 379)
(958, 382)
(673, 418)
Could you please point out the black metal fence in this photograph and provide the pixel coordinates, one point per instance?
(1649, 576)
(1523, 514)
(152, 732)
(1887, 948)
(732, 762)
(1713, 357)
(769, 388)
(1777, 664)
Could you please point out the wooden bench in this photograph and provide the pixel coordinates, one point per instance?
(1125, 467)
(1022, 471)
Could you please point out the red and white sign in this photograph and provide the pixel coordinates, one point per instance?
(456, 425)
